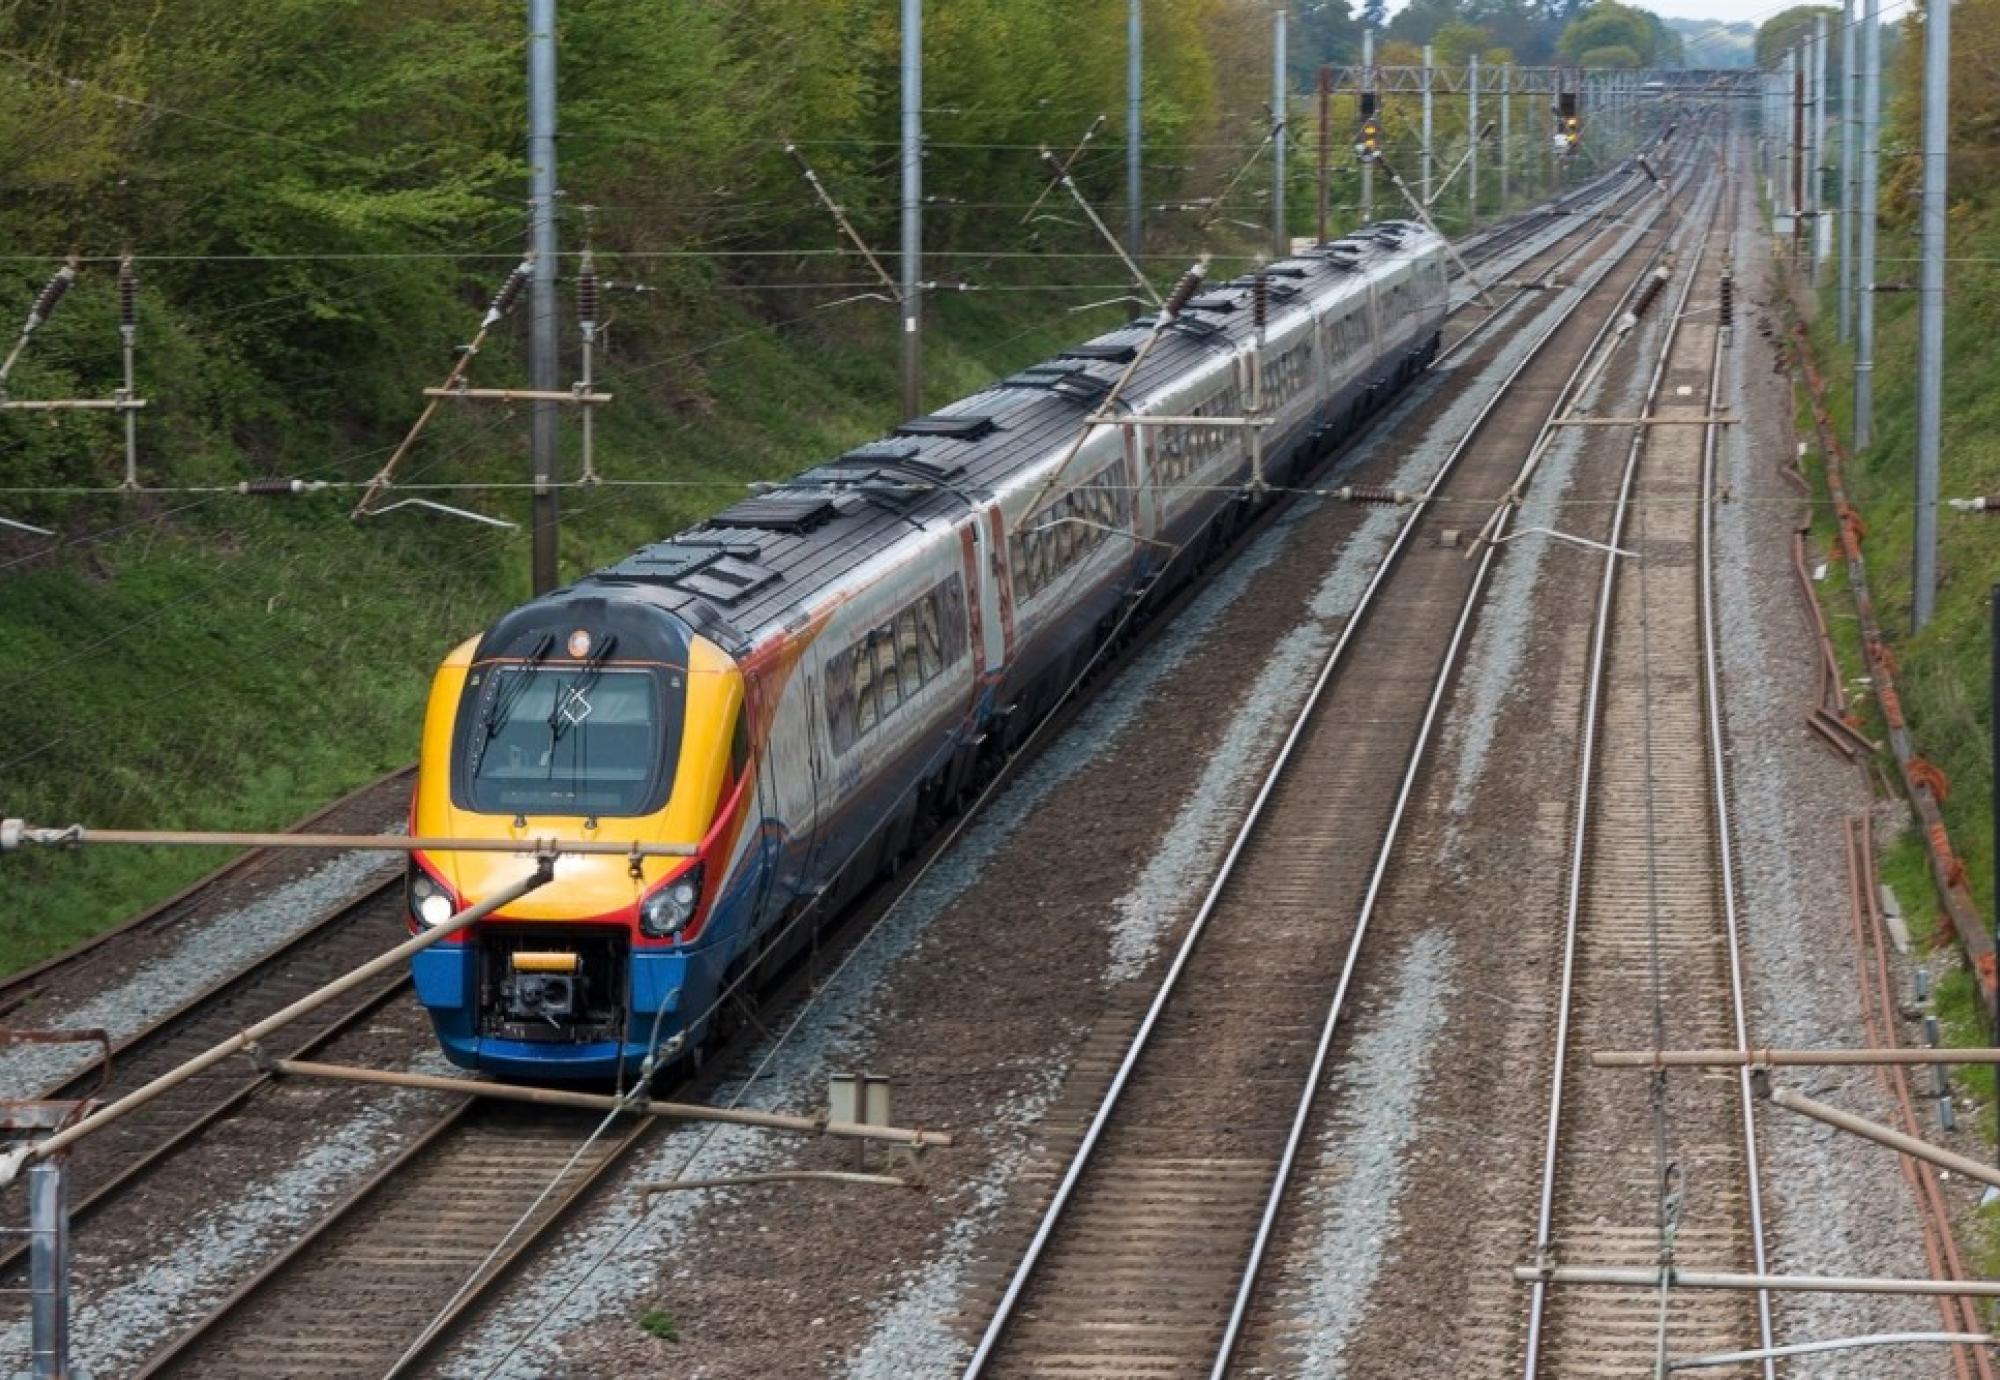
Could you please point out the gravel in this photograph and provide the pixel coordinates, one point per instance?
(1837, 1204)
(1353, 1201)
(1505, 616)
(556, 1303)
(124, 1312)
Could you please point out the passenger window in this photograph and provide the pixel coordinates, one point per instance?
(867, 709)
(909, 659)
(888, 689)
(840, 699)
(929, 639)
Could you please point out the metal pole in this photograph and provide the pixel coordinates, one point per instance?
(913, 195)
(1930, 305)
(1993, 701)
(1281, 244)
(1759, 1057)
(1848, 130)
(1882, 1135)
(1871, 119)
(1797, 69)
(128, 336)
(1429, 157)
(1368, 89)
(1506, 135)
(1325, 152)
(542, 342)
(604, 1102)
(48, 1268)
(1648, 1277)
(1818, 163)
(1472, 131)
(1135, 225)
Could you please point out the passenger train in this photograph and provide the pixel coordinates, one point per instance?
(804, 685)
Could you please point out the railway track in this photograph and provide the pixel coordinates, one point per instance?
(395, 1221)
(1164, 1187)
(1632, 1174)
(423, 1239)
(409, 1246)
(336, 942)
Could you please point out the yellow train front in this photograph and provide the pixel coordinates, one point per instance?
(587, 714)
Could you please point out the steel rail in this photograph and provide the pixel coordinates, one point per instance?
(102, 1194)
(374, 1003)
(1267, 1225)
(1247, 829)
(1724, 830)
(1598, 218)
(1586, 774)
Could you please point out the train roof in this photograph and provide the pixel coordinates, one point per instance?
(752, 564)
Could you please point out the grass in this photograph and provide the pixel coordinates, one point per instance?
(658, 1322)
(231, 664)
(1943, 669)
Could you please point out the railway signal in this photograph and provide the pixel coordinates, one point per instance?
(1569, 125)
(1368, 144)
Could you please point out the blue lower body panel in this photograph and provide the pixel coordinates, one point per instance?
(447, 982)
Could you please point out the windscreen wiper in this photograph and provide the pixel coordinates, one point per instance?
(502, 706)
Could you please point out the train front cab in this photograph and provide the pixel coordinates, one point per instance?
(583, 718)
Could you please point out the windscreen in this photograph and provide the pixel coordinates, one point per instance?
(569, 740)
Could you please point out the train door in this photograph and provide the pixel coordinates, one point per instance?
(993, 610)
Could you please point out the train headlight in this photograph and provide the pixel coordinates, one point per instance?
(667, 911)
(431, 903)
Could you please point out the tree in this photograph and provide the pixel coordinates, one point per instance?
(1375, 13)
(1323, 31)
(1795, 25)
(1589, 40)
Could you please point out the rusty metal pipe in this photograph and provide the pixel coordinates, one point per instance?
(12, 1163)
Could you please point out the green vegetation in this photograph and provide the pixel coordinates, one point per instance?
(660, 1323)
(1943, 671)
(1795, 25)
(323, 195)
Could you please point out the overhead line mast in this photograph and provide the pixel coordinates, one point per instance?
(542, 346)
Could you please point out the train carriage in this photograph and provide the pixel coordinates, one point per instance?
(808, 682)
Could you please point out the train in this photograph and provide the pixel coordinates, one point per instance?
(807, 684)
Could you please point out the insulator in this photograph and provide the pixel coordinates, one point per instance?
(1185, 289)
(52, 293)
(1652, 290)
(128, 293)
(1370, 493)
(272, 487)
(1260, 301)
(509, 293)
(586, 290)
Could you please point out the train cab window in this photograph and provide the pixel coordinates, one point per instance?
(568, 740)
